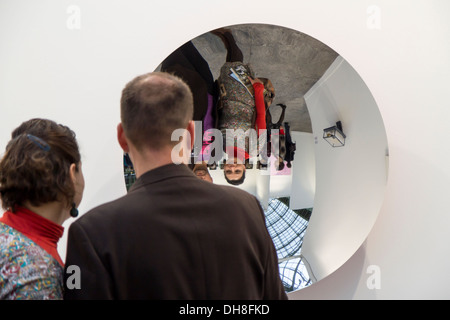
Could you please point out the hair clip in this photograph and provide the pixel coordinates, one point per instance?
(39, 142)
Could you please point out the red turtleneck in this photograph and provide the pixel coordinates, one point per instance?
(42, 231)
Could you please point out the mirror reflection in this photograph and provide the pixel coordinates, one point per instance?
(253, 127)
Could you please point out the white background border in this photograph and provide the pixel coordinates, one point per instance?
(75, 77)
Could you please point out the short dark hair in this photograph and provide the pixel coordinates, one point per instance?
(36, 164)
(153, 105)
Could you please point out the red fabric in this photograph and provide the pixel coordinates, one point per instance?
(237, 153)
(260, 107)
(42, 231)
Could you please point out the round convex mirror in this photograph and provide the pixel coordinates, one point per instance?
(321, 169)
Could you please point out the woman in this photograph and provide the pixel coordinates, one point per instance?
(243, 102)
(41, 186)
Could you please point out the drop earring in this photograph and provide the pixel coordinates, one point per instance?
(74, 211)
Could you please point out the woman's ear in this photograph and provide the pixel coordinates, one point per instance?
(77, 178)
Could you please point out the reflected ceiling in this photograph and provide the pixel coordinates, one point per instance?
(292, 60)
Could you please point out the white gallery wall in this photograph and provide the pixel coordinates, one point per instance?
(69, 60)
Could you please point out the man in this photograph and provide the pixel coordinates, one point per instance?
(173, 236)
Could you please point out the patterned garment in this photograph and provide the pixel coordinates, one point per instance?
(237, 105)
(26, 270)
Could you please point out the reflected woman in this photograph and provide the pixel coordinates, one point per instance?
(41, 186)
(242, 106)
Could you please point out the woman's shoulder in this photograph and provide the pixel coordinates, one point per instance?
(26, 270)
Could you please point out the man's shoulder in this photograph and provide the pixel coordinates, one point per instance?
(102, 212)
(234, 192)
(134, 201)
(214, 189)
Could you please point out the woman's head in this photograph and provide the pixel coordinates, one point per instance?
(41, 164)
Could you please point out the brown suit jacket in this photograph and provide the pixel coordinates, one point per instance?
(174, 236)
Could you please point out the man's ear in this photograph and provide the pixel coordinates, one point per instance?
(191, 130)
(122, 138)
